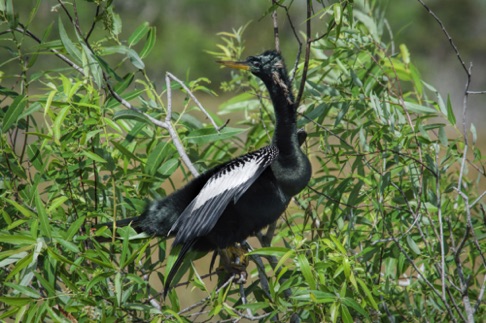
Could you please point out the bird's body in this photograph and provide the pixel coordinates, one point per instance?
(232, 201)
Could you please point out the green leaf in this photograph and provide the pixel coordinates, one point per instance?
(306, 271)
(93, 156)
(345, 315)
(169, 167)
(45, 228)
(315, 296)
(118, 289)
(69, 246)
(58, 123)
(16, 301)
(17, 239)
(413, 246)
(130, 53)
(57, 202)
(21, 264)
(443, 136)
(420, 109)
(23, 210)
(150, 43)
(74, 227)
(138, 34)
(13, 112)
(160, 153)
(208, 135)
(368, 294)
(68, 44)
(124, 151)
(349, 302)
(270, 251)
(24, 290)
(450, 112)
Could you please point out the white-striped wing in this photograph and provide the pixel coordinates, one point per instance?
(227, 185)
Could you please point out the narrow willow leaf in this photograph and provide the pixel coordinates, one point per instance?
(23, 210)
(72, 50)
(74, 227)
(17, 239)
(443, 137)
(57, 202)
(125, 151)
(21, 264)
(270, 251)
(169, 167)
(284, 258)
(368, 294)
(58, 123)
(161, 152)
(127, 80)
(118, 288)
(450, 112)
(13, 112)
(306, 271)
(345, 315)
(349, 302)
(45, 228)
(413, 246)
(420, 109)
(150, 43)
(93, 156)
(24, 290)
(16, 301)
(130, 53)
(138, 34)
(69, 246)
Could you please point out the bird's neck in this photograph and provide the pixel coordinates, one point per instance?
(285, 136)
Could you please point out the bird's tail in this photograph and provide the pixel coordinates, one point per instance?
(175, 268)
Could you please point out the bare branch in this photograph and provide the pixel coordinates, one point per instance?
(193, 97)
(275, 28)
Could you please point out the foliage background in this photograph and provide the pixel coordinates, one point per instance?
(390, 228)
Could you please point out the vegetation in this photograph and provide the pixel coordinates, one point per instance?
(391, 227)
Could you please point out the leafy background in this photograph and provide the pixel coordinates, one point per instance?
(390, 228)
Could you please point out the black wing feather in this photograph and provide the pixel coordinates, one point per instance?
(227, 185)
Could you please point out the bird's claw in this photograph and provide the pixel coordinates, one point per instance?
(233, 260)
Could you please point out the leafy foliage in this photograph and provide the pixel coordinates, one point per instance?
(388, 229)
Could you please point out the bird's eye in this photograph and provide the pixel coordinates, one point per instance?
(256, 63)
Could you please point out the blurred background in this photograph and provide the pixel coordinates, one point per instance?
(187, 29)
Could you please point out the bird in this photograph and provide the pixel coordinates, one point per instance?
(229, 202)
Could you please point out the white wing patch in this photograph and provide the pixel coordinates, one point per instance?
(225, 181)
(227, 185)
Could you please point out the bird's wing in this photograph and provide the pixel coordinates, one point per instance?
(227, 185)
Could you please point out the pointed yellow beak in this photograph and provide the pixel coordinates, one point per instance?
(233, 64)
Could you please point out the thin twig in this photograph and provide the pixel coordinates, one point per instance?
(307, 53)
(275, 28)
(193, 97)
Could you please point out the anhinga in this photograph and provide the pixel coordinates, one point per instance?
(229, 202)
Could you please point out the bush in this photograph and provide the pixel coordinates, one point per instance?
(390, 227)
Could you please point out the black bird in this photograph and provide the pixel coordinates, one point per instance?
(229, 202)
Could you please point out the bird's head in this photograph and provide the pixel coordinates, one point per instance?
(264, 65)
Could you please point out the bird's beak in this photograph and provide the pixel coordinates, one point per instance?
(239, 65)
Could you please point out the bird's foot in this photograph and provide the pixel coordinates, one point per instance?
(233, 260)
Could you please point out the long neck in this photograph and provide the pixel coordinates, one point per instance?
(285, 136)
